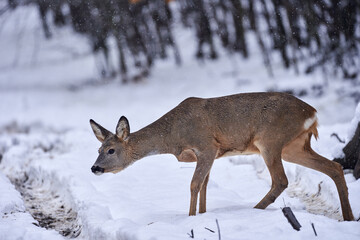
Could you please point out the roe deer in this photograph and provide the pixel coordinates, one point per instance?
(275, 125)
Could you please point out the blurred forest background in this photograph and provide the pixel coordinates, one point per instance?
(308, 35)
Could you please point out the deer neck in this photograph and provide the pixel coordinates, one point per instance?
(146, 142)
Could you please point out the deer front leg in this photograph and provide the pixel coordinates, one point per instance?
(202, 205)
(278, 177)
(202, 170)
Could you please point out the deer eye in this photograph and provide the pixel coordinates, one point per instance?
(111, 151)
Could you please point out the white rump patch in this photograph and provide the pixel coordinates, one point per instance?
(309, 122)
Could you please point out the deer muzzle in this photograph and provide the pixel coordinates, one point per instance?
(97, 170)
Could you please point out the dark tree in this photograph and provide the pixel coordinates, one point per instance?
(54, 6)
(351, 159)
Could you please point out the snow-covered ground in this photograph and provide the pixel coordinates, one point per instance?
(48, 93)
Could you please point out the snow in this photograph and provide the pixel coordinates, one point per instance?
(13, 202)
(45, 135)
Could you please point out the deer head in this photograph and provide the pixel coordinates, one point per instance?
(114, 153)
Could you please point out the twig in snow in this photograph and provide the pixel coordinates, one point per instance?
(210, 230)
(313, 227)
(217, 224)
(291, 218)
(191, 234)
(319, 189)
(338, 138)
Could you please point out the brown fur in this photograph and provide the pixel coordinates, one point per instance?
(201, 130)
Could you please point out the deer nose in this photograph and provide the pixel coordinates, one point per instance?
(97, 169)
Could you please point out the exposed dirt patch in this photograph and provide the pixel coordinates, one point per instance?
(48, 207)
(316, 203)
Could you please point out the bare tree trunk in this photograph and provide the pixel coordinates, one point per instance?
(282, 38)
(351, 160)
(240, 42)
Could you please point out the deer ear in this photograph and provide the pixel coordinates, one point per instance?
(123, 129)
(100, 132)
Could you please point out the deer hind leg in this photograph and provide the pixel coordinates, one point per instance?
(201, 173)
(279, 180)
(202, 204)
(300, 152)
